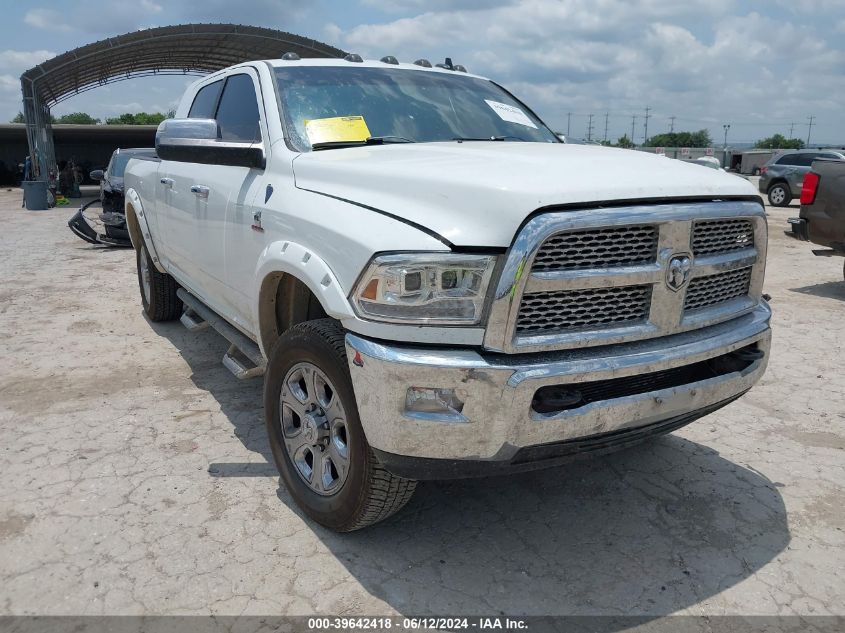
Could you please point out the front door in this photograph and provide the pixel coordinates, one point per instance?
(205, 196)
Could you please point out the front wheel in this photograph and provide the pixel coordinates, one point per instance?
(316, 436)
(779, 194)
(158, 290)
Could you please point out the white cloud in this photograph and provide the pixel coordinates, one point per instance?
(699, 59)
(19, 61)
(48, 19)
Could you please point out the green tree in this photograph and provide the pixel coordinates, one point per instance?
(779, 141)
(701, 138)
(19, 118)
(139, 118)
(78, 118)
(625, 142)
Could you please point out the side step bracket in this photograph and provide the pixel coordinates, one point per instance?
(242, 352)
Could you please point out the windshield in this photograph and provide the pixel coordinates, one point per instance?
(118, 164)
(402, 105)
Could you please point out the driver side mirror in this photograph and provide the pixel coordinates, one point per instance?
(96, 175)
(198, 141)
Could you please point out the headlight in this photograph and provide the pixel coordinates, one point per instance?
(429, 288)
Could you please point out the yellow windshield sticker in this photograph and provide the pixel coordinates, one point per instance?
(337, 129)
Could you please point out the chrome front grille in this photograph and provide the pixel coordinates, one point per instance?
(721, 236)
(581, 309)
(605, 276)
(711, 290)
(597, 248)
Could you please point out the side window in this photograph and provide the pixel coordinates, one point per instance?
(237, 114)
(205, 101)
(805, 160)
(788, 159)
(834, 156)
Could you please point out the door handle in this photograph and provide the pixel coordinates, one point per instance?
(201, 191)
(167, 182)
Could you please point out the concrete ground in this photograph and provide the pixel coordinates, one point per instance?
(136, 476)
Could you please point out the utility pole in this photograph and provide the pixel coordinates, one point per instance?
(633, 123)
(726, 127)
(791, 127)
(672, 123)
(568, 120)
(606, 116)
(590, 129)
(810, 128)
(647, 115)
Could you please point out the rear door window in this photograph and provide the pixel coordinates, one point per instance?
(237, 114)
(805, 160)
(788, 159)
(206, 101)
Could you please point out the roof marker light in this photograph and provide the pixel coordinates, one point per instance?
(460, 68)
(353, 57)
(423, 62)
(290, 57)
(389, 59)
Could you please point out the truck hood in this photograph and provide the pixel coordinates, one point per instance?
(477, 193)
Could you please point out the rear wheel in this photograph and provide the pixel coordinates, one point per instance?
(316, 436)
(158, 290)
(779, 194)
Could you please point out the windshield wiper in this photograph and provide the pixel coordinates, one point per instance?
(487, 138)
(372, 140)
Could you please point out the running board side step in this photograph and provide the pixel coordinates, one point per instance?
(238, 368)
(242, 352)
(192, 321)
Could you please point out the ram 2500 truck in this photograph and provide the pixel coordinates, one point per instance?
(432, 284)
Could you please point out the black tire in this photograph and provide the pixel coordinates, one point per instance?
(780, 195)
(159, 298)
(369, 493)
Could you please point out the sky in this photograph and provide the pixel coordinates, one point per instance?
(762, 66)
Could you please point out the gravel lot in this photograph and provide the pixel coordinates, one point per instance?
(137, 478)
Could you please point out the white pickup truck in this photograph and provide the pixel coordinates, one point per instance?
(432, 284)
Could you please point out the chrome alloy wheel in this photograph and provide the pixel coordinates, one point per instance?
(145, 274)
(314, 428)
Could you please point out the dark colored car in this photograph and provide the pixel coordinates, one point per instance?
(781, 178)
(822, 217)
(112, 218)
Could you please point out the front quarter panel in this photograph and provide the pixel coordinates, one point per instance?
(326, 244)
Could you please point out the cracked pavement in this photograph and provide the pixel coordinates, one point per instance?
(137, 477)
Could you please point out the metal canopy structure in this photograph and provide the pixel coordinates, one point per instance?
(185, 49)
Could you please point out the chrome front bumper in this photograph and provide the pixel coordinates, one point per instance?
(497, 419)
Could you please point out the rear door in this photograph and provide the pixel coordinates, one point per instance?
(803, 162)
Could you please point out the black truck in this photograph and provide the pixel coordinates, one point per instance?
(111, 227)
(822, 217)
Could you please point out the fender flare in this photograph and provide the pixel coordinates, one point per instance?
(285, 257)
(139, 230)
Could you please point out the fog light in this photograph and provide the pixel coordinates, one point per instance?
(434, 404)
